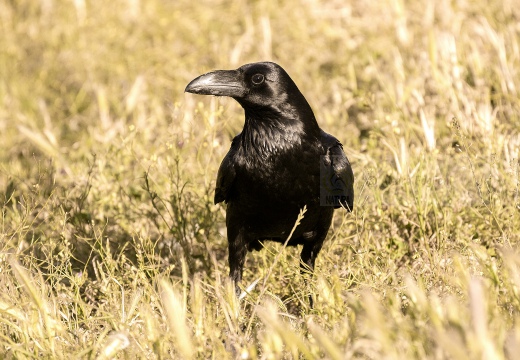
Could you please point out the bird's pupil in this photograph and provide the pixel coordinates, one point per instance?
(258, 79)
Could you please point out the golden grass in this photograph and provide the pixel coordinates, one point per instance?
(110, 244)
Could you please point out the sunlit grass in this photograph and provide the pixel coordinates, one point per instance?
(111, 246)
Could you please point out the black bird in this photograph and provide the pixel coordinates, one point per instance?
(279, 163)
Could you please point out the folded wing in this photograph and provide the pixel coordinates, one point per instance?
(339, 173)
(226, 176)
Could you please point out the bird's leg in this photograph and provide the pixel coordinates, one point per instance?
(308, 258)
(237, 255)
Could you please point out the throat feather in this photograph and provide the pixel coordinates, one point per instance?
(267, 138)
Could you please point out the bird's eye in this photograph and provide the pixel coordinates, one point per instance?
(257, 79)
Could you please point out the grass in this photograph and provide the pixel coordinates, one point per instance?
(111, 246)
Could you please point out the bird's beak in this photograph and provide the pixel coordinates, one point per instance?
(219, 83)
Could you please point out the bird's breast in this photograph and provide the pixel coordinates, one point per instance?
(290, 176)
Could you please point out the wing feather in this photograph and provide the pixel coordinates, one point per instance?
(342, 175)
(226, 176)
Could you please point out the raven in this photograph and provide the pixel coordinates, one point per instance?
(281, 162)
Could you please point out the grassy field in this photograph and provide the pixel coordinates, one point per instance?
(111, 247)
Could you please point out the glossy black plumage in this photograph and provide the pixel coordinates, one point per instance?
(279, 163)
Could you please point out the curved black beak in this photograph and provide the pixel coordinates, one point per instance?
(219, 83)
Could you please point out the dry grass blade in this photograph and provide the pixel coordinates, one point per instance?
(176, 313)
(113, 344)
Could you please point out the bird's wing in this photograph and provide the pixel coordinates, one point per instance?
(226, 175)
(342, 176)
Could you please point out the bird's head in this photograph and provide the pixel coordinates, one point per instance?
(258, 87)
